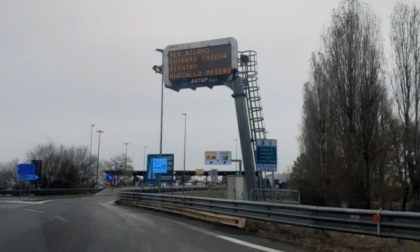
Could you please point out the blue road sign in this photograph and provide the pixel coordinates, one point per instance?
(160, 165)
(26, 169)
(27, 177)
(109, 176)
(266, 155)
(152, 177)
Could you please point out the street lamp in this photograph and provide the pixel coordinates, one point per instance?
(159, 70)
(97, 164)
(144, 164)
(185, 152)
(126, 144)
(90, 147)
(236, 154)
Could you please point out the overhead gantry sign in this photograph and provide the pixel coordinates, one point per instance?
(200, 64)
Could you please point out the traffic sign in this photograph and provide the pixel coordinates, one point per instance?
(266, 155)
(26, 169)
(214, 175)
(151, 176)
(218, 157)
(160, 165)
(109, 176)
(200, 64)
(27, 177)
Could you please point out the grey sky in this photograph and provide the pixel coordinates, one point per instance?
(67, 64)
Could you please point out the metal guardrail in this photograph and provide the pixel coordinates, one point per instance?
(56, 191)
(390, 224)
(276, 195)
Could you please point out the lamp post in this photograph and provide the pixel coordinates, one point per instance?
(159, 70)
(185, 151)
(236, 154)
(99, 146)
(90, 146)
(144, 164)
(126, 145)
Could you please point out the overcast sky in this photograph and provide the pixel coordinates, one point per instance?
(65, 65)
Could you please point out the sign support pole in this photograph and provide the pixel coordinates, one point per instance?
(245, 136)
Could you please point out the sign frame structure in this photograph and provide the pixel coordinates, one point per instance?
(266, 155)
(167, 177)
(200, 64)
(217, 157)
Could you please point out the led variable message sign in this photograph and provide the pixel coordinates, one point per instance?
(200, 64)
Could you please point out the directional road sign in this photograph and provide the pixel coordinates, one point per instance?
(109, 176)
(266, 155)
(152, 177)
(27, 177)
(160, 165)
(26, 169)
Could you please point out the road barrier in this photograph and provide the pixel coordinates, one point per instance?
(389, 224)
(57, 191)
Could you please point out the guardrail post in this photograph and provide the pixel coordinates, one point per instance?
(378, 220)
(400, 245)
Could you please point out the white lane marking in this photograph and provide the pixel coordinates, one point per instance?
(24, 202)
(32, 210)
(61, 218)
(243, 243)
(247, 244)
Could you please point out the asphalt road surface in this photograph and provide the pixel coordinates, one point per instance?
(97, 224)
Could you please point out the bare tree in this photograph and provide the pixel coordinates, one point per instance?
(63, 166)
(346, 110)
(405, 77)
(122, 168)
(8, 176)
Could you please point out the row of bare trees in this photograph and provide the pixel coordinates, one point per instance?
(67, 167)
(359, 142)
(64, 167)
(8, 176)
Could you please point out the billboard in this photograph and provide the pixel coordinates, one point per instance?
(200, 64)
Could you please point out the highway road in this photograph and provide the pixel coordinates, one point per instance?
(97, 224)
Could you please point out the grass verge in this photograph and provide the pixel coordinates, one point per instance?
(328, 240)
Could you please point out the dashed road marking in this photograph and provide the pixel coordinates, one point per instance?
(61, 218)
(32, 210)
